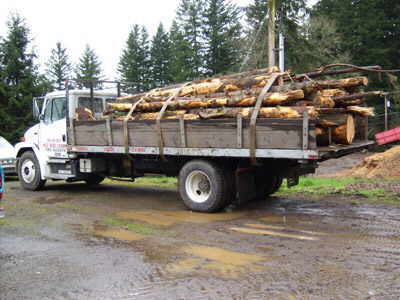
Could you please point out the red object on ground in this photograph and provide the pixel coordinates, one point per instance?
(388, 136)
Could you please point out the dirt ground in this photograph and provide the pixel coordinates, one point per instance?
(122, 242)
(332, 166)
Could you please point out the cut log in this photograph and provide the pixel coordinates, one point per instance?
(332, 120)
(345, 98)
(84, 114)
(201, 89)
(322, 135)
(271, 99)
(345, 133)
(363, 111)
(265, 112)
(336, 72)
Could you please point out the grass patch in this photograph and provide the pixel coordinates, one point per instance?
(343, 186)
(318, 186)
(156, 181)
(3, 222)
(134, 227)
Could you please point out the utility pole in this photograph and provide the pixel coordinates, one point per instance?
(271, 32)
(281, 40)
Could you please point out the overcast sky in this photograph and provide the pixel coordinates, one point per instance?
(104, 25)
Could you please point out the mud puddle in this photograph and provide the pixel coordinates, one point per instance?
(218, 262)
(169, 218)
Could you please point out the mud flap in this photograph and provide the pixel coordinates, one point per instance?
(246, 186)
(293, 181)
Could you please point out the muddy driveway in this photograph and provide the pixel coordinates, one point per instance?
(122, 242)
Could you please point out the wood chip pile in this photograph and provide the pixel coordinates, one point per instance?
(334, 103)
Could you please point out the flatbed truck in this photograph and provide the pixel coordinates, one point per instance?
(217, 162)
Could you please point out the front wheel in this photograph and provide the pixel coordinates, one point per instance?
(203, 186)
(29, 173)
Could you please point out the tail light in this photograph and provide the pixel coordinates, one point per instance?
(22, 139)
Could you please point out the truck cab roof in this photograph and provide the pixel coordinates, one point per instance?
(83, 92)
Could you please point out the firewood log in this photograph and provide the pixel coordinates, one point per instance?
(345, 133)
(213, 88)
(271, 99)
(342, 127)
(84, 114)
(363, 111)
(265, 112)
(346, 98)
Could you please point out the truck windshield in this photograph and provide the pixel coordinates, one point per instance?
(59, 109)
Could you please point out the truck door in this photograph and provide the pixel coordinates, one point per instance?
(53, 128)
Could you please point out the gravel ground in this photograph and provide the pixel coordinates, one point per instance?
(123, 242)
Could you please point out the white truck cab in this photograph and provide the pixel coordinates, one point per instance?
(43, 153)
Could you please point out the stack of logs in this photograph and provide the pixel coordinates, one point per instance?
(334, 103)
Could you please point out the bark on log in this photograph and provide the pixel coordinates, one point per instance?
(336, 72)
(345, 98)
(363, 111)
(211, 87)
(265, 112)
(271, 99)
(332, 120)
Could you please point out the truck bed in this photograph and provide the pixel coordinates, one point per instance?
(276, 138)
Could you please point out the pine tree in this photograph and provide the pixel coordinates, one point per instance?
(370, 29)
(20, 81)
(189, 19)
(160, 58)
(222, 33)
(181, 56)
(133, 67)
(58, 67)
(89, 68)
(145, 60)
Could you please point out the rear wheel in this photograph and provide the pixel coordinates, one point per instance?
(267, 185)
(94, 179)
(29, 173)
(203, 186)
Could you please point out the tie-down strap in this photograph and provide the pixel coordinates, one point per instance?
(160, 116)
(254, 116)
(125, 124)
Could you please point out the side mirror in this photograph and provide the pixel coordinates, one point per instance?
(35, 109)
(41, 117)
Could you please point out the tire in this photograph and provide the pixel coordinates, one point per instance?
(94, 179)
(203, 186)
(29, 174)
(266, 185)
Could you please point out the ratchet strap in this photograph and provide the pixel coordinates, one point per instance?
(160, 116)
(125, 124)
(254, 116)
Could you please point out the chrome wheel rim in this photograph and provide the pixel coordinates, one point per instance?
(198, 186)
(28, 171)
